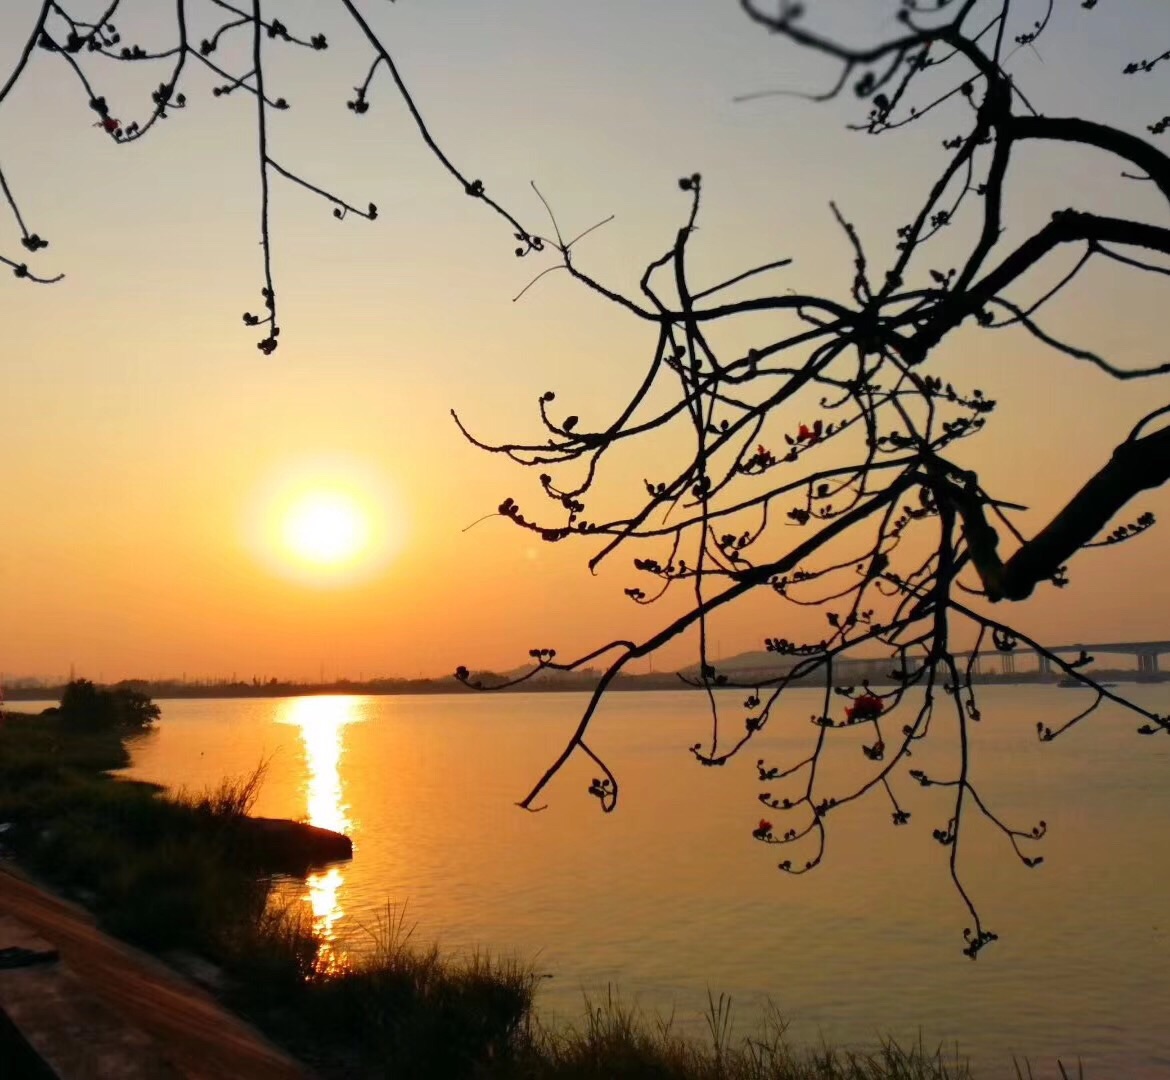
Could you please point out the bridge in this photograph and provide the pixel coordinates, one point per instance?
(745, 667)
(1146, 653)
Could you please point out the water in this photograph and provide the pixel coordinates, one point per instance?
(670, 895)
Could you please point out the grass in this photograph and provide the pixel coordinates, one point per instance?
(231, 799)
(171, 873)
(620, 1041)
(402, 1010)
(1024, 1072)
(396, 1009)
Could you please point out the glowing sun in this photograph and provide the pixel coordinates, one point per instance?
(326, 529)
(325, 522)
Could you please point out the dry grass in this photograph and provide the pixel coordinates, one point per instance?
(622, 1042)
(229, 800)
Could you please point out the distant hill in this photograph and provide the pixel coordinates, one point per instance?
(745, 663)
(761, 665)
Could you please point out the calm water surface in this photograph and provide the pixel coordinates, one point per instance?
(670, 895)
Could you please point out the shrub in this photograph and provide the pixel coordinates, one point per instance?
(97, 708)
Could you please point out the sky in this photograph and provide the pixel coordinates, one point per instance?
(153, 457)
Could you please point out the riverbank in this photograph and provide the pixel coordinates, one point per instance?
(189, 879)
(167, 874)
(187, 1030)
(178, 1029)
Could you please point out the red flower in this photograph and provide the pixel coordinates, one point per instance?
(810, 435)
(865, 707)
(764, 826)
(108, 124)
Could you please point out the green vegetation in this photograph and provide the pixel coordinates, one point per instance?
(164, 873)
(396, 1010)
(176, 873)
(120, 708)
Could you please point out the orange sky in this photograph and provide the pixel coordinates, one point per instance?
(144, 435)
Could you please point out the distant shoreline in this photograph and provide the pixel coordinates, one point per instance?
(543, 685)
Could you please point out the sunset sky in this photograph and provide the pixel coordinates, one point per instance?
(155, 462)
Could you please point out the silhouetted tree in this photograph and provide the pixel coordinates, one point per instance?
(100, 708)
(833, 428)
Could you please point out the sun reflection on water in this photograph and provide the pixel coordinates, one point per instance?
(322, 722)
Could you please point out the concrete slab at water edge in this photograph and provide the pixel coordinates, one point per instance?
(177, 1029)
(56, 1027)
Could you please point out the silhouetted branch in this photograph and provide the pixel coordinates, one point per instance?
(813, 454)
(1136, 465)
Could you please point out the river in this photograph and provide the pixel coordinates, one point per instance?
(671, 896)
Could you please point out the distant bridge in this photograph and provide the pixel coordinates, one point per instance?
(1146, 652)
(989, 661)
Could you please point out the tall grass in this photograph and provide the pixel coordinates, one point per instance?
(393, 1009)
(621, 1041)
(230, 800)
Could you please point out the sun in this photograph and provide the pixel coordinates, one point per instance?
(329, 521)
(326, 529)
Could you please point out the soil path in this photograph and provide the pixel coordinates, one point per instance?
(192, 1031)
